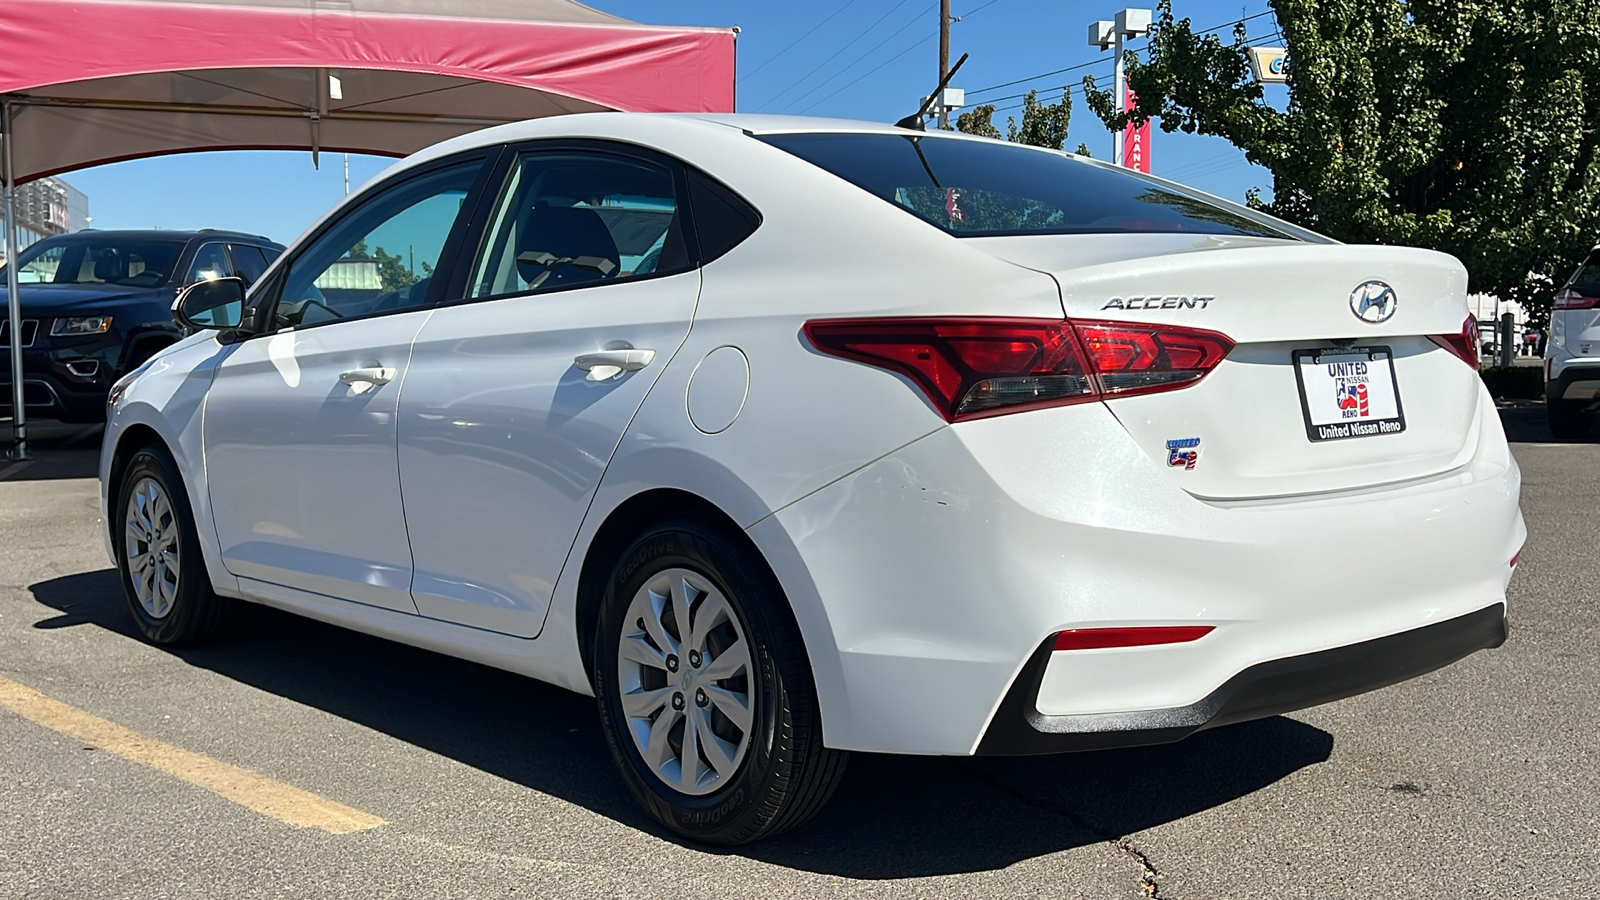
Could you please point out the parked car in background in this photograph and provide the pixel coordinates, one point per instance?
(1572, 354)
(97, 304)
(789, 437)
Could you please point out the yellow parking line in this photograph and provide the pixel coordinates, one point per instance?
(289, 805)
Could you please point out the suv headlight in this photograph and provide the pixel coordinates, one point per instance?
(81, 326)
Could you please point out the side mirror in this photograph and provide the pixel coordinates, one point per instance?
(215, 304)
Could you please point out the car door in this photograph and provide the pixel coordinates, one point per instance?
(300, 420)
(577, 295)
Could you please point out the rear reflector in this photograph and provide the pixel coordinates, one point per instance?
(1463, 345)
(1516, 556)
(1101, 638)
(975, 367)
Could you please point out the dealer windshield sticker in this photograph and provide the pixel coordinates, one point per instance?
(1183, 453)
(1348, 393)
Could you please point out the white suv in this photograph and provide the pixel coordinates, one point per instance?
(1572, 355)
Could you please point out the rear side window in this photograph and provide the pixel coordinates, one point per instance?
(568, 218)
(248, 262)
(722, 219)
(976, 188)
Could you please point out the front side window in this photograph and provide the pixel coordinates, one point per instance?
(381, 256)
(569, 218)
(134, 263)
(978, 188)
(210, 263)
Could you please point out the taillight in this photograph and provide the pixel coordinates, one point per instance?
(1463, 345)
(975, 367)
(1140, 359)
(1575, 300)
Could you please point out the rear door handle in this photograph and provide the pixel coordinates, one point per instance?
(604, 364)
(373, 375)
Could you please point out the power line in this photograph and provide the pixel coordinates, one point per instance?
(801, 80)
(863, 75)
(802, 37)
(979, 9)
(916, 17)
(1103, 60)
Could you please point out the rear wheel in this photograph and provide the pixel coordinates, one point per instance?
(1569, 420)
(705, 691)
(169, 591)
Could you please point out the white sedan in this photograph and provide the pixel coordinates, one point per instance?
(789, 437)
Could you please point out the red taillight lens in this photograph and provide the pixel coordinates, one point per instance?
(1138, 359)
(968, 367)
(971, 367)
(1464, 345)
(1575, 300)
(1101, 638)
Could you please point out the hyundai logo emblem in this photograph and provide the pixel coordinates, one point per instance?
(1373, 302)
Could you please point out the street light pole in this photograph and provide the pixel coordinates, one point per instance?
(1113, 35)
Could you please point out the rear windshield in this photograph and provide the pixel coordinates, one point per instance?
(974, 188)
(1586, 281)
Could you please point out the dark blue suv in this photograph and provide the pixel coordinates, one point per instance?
(97, 304)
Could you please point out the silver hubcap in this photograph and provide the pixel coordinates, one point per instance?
(151, 533)
(684, 670)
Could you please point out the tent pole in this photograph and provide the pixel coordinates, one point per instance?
(19, 410)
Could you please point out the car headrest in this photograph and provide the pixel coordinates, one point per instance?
(565, 232)
(107, 265)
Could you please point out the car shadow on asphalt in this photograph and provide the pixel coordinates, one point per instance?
(893, 817)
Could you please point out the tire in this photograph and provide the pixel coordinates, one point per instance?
(777, 774)
(178, 606)
(1568, 419)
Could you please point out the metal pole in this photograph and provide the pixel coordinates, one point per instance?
(944, 58)
(19, 411)
(1122, 99)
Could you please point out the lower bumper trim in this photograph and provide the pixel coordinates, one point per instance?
(1265, 689)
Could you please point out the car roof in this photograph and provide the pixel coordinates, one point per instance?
(163, 234)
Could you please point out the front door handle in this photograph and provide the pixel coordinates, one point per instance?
(373, 375)
(605, 364)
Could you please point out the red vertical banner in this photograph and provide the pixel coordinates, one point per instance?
(1135, 141)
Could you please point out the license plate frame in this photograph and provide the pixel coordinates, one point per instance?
(1321, 425)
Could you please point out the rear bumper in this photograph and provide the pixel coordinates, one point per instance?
(1575, 382)
(1266, 689)
(939, 569)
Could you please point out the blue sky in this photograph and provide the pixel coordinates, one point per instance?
(865, 59)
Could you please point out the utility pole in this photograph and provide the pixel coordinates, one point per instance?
(944, 58)
(347, 174)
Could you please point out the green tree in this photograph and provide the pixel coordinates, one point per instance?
(392, 271)
(1043, 124)
(1460, 125)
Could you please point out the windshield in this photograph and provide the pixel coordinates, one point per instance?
(127, 262)
(973, 188)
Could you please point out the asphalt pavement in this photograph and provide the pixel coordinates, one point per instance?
(1479, 780)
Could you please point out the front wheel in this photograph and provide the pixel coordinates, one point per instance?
(1569, 420)
(705, 693)
(169, 591)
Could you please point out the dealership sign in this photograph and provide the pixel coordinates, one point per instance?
(1136, 141)
(1270, 64)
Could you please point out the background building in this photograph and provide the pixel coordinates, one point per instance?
(44, 207)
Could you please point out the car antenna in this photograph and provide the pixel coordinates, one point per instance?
(914, 121)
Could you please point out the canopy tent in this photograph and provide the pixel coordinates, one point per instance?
(84, 82)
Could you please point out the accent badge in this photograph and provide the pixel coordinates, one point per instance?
(1183, 453)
